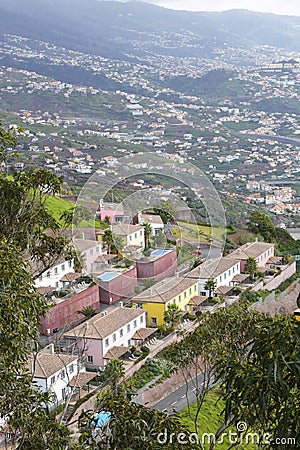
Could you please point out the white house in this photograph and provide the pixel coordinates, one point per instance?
(221, 270)
(154, 220)
(109, 334)
(52, 277)
(53, 372)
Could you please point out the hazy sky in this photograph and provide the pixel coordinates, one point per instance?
(290, 7)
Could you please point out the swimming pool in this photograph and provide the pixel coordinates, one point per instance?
(160, 252)
(107, 276)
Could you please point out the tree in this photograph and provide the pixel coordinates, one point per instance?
(172, 315)
(114, 371)
(147, 234)
(117, 245)
(135, 427)
(263, 389)
(251, 266)
(260, 223)
(20, 310)
(165, 210)
(108, 239)
(210, 286)
(88, 312)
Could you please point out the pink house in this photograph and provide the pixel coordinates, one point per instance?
(108, 334)
(260, 251)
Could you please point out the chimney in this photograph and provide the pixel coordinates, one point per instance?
(83, 236)
(121, 304)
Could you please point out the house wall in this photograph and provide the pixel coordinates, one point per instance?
(97, 348)
(160, 268)
(261, 259)
(223, 279)
(65, 312)
(157, 310)
(90, 255)
(119, 287)
(59, 383)
(52, 276)
(136, 238)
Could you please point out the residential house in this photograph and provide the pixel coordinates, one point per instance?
(52, 277)
(132, 236)
(172, 290)
(157, 225)
(260, 251)
(52, 372)
(108, 334)
(222, 270)
(89, 251)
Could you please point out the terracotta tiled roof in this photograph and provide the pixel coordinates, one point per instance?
(143, 333)
(81, 379)
(47, 364)
(116, 352)
(250, 249)
(100, 326)
(212, 268)
(165, 290)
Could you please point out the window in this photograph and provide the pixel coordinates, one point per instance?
(55, 270)
(97, 249)
(225, 275)
(142, 319)
(190, 291)
(220, 277)
(114, 337)
(129, 342)
(229, 272)
(48, 274)
(90, 359)
(121, 332)
(62, 374)
(130, 238)
(135, 235)
(63, 267)
(179, 298)
(41, 278)
(128, 327)
(153, 320)
(63, 393)
(52, 380)
(70, 263)
(71, 368)
(184, 295)
(106, 342)
(174, 301)
(134, 324)
(141, 233)
(195, 288)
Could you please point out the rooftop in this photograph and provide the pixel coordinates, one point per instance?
(47, 364)
(101, 326)
(250, 249)
(125, 229)
(165, 290)
(212, 268)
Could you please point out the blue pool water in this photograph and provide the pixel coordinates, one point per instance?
(101, 419)
(107, 276)
(160, 252)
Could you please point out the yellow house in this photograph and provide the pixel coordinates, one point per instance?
(132, 236)
(155, 300)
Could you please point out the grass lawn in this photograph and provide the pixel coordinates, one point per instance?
(210, 419)
(193, 232)
(57, 206)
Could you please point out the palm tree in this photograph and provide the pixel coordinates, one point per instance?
(172, 315)
(108, 239)
(88, 312)
(147, 234)
(210, 286)
(117, 245)
(113, 372)
(251, 266)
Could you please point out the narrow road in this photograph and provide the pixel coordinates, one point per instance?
(179, 399)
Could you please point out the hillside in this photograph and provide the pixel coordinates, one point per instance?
(119, 30)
